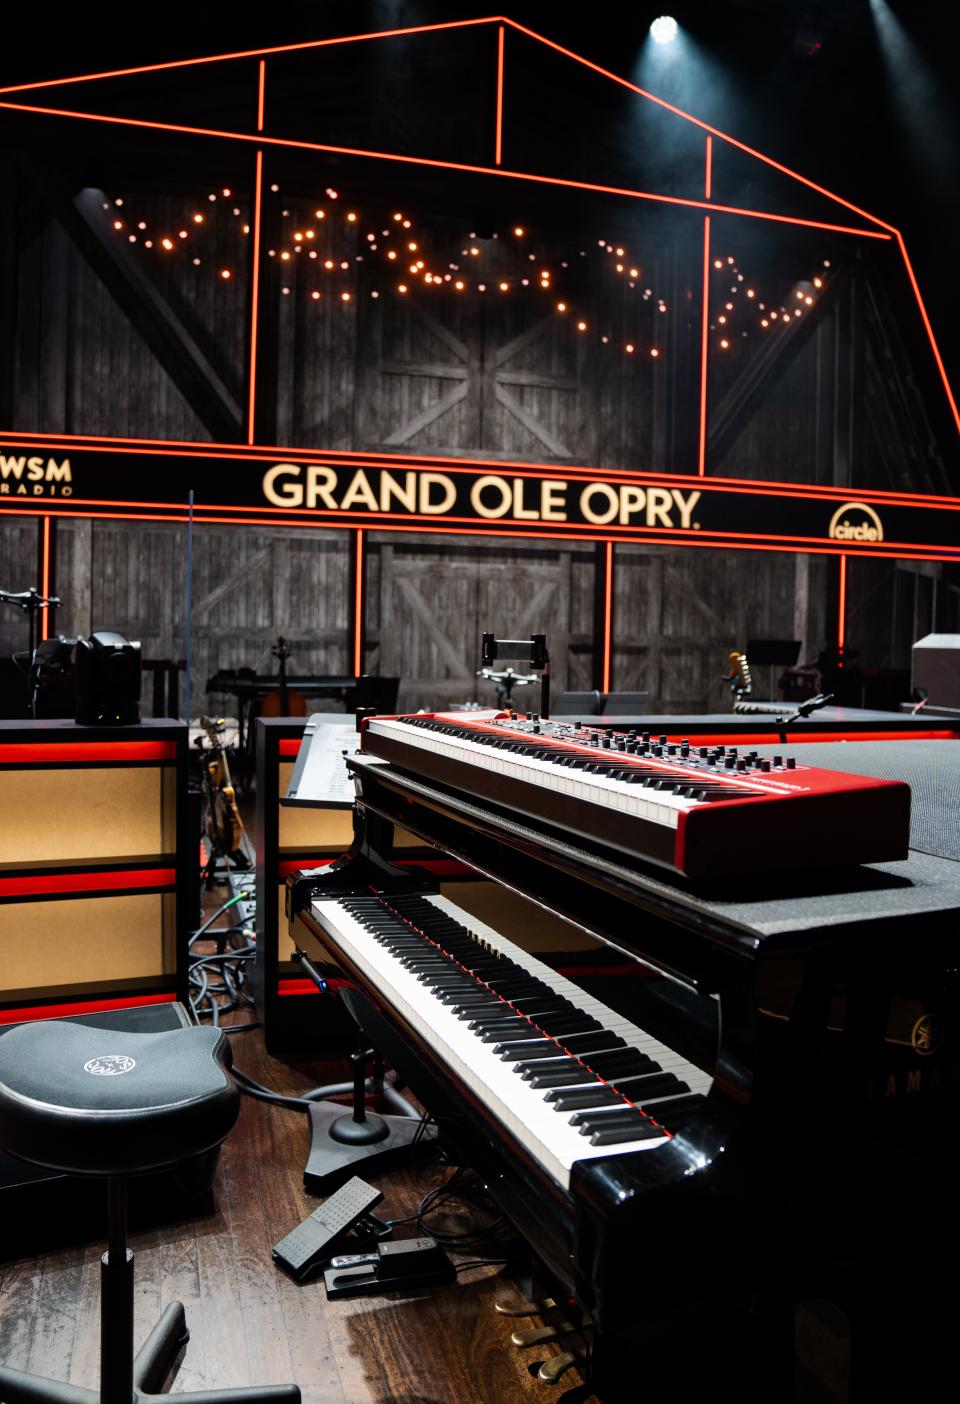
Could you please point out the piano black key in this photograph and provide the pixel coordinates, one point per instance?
(496, 1033)
(571, 1074)
(641, 1090)
(574, 1099)
(621, 1062)
(560, 1024)
(536, 1046)
(676, 1111)
(641, 1130)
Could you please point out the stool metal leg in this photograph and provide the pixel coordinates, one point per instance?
(156, 1357)
(116, 1302)
(19, 1388)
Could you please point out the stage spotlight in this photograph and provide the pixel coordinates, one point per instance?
(663, 30)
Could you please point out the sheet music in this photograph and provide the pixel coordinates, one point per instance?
(320, 779)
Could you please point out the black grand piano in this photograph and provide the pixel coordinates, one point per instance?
(770, 1225)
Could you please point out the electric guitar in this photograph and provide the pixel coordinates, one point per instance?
(223, 824)
(738, 678)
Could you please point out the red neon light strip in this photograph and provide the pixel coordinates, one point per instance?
(842, 603)
(45, 576)
(790, 545)
(607, 616)
(499, 137)
(704, 347)
(90, 1006)
(43, 884)
(261, 91)
(358, 609)
(704, 126)
(929, 329)
(708, 171)
(306, 865)
(291, 144)
(29, 753)
(255, 297)
(258, 453)
(250, 53)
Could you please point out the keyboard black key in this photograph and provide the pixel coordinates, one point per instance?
(564, 1099)
(642, 1130)
(571, 1075)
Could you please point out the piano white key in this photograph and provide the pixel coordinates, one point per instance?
(520, 1108)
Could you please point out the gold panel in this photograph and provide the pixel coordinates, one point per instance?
(312, 828)
(65, 815)
(81, 939)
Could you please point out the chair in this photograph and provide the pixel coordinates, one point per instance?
(626, 704)
(86, 1101)
(577, 704)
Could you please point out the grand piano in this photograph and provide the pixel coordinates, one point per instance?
(719, 1112)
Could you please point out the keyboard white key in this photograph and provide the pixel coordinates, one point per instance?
(523, 1111)
(657, 806)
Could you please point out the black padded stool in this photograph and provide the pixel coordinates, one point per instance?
(89, 1101)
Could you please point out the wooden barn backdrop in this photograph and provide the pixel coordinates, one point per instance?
(127, 265)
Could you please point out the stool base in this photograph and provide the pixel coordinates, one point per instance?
(155, 1362)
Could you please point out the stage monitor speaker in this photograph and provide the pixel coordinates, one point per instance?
(107, 668)
(936, 669)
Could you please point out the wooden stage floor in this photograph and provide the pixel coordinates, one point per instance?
(249, 1323)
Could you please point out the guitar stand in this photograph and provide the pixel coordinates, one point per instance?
(343, 1144)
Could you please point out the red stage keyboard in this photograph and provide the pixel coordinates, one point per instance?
(698, 810)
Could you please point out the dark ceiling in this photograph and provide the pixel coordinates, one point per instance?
(875, 117)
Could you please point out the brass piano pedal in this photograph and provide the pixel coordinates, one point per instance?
(551, 1370)
(519, 1306)
(536, 1334)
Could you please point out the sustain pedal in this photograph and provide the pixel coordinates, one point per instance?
(315, 1240)
(393, 1267)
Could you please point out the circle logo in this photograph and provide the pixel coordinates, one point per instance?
(109, 1065)
(855, 521)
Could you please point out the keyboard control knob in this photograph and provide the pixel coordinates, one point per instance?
(711, 760)
(662, 740)
(764, 765)
(729, 762)
(606, 742)
(791, 763)
(577, 725)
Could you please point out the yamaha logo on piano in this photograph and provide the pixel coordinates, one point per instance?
(927, 1035)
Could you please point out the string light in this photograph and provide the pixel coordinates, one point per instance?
(225, 273)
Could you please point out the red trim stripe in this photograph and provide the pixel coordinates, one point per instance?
(307, 987)
(288, 747)
(286, 866)
(57, 753)
(42, 884)
(90, 1006)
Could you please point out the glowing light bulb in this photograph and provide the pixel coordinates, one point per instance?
(725, 344)
(718, 263)
(459, 285)
(298, 236)
(141, 224)
(351, 218)
(654, 352)
(315, 296)
(401, 287)
(398, 217)
(581, 326)
(345, 297)
(285, 255)
(183, 233)
(328, 263)
(630, 348)
(198, 218)
(226, 193)
(663, 30)
(519, 231)
(148, 243)
(167, 243)
(374, 294)
(818, 282)
(118, 201)
(118, 224)
(808, 301)
(561, 307)
(634, 272)
(721, 319)
(225, 274)
(750, 292)
(764, 322)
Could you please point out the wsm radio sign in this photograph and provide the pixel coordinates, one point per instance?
(21, 476)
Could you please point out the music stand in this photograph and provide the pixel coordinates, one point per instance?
(532, 651)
